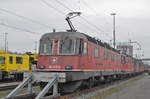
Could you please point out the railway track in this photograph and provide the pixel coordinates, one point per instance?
(79, 93)
(8, 86)
(101, 88)
(8, 81)
(86, 91)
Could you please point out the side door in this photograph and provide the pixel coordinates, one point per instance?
(84, 61)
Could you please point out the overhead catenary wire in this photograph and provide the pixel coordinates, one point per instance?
(20, 29)
(62, 13)
(62, 4)
(51, 6)
(90, 23)
(95, 28)
(25, 18)
(92, 9)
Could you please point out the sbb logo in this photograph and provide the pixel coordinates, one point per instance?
(54, 60)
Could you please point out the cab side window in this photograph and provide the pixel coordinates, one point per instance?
(96, 52)
(112, 57)
(19, 60)
(10, 60)
(85, 50)
(106, 55)
(2, 59)
(123, 59)
(78, 46)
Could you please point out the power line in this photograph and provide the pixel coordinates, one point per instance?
(92, 9)
(23, 17)
(20, 29)
(60, 12)
(63, 5)
(90, 28)
(51, 6)
(89, 7)
(90, 23)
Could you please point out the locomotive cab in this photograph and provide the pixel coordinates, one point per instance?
(53, 48)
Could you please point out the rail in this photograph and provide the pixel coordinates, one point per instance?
(21, 85)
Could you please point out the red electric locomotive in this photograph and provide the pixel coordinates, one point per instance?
(80, 60)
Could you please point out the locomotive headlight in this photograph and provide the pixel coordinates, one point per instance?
(68, 67)
(41, 67)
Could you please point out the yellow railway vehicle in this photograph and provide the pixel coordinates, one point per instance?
(13, 65)
(32, 60)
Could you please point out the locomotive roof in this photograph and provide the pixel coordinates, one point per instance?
(63, 35)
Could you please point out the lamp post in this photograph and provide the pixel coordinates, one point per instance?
(6, 41)
(114, 35)
(35, 46)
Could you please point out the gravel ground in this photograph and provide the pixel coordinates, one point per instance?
(136, 90)
(101, 93)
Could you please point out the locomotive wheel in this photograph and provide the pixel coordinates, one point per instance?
(20, 76)
(16, 77)
(42, 85)
(90, 83)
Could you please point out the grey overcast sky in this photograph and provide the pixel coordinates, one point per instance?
(132, 20)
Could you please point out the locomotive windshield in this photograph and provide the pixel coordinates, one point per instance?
(2, 60)
(69, 46)
(66, 46)
(46, 46)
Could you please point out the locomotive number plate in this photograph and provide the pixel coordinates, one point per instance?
(54, 66)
